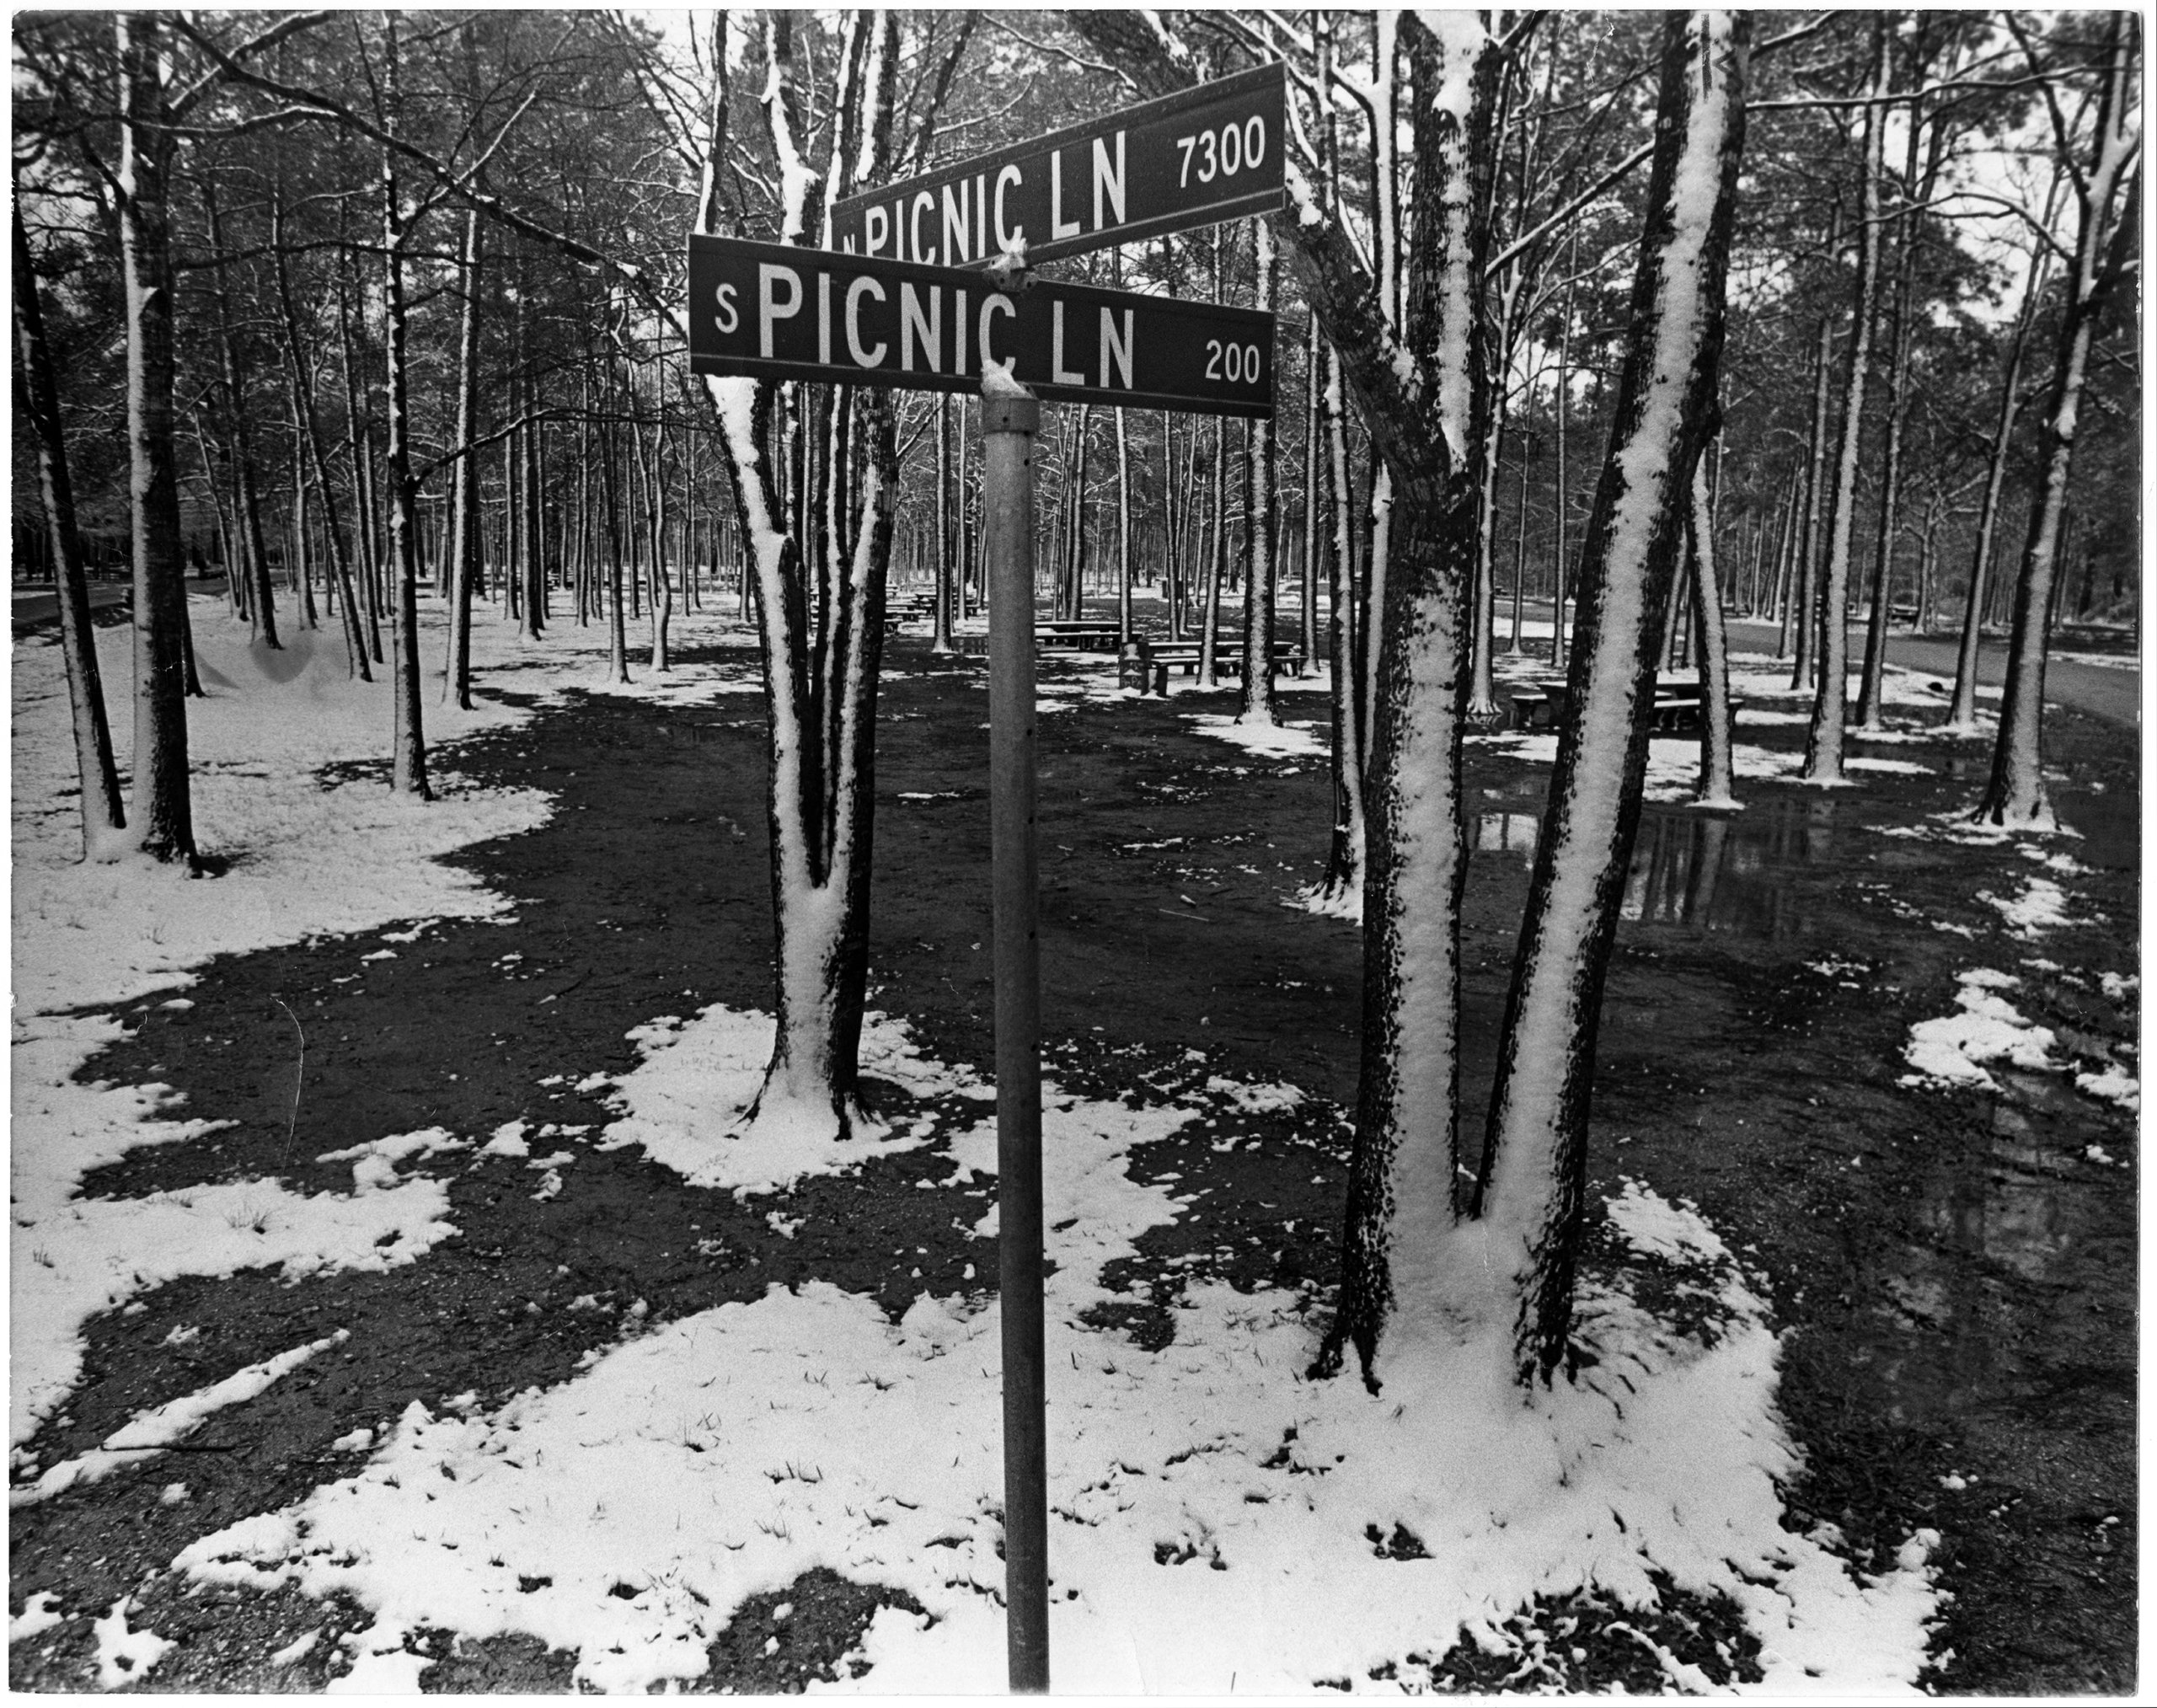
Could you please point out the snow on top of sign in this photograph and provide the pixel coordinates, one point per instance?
(998, 380)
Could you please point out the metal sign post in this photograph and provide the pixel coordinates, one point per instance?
(899, 304)
(1009, 421)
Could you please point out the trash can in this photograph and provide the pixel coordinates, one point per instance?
(1134, 664)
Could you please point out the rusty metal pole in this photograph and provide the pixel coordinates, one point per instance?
(1011, 418)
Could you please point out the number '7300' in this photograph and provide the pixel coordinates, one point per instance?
(1237, 363)
(1223, 152)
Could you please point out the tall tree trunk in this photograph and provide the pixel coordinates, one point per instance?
(464, 481)
(1262, 528)
(1916, 193)
(1216, 550)
(360, 433)
(1824, 741)
(940, 640)
(2104, 248)
(662, 584)
(37, 397)
(1401, 1203)
(262, 603)
(407, 748)
(1313, 463)
(1533, 1190)
(160, 813)
(1963, 704)
(1716, 769)
(1798, 620)
(1123, 530)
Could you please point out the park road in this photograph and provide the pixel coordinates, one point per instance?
(2111, 691)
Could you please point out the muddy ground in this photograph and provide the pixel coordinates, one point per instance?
(1956, 1274)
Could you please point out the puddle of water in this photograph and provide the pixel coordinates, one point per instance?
(1715, 873)
(1699, 869)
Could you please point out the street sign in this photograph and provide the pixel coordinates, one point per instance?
(1196, 157)
(776, 312)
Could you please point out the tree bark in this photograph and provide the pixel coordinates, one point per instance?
(160, 813)
(1824, 743)
(1259, 585)
(38, 396)
(464, 482)
(2105, 248)
(261, 603)
(1717, 773)
(407, 749)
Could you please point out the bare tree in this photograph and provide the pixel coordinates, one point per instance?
(103, 820)
(2107, 197)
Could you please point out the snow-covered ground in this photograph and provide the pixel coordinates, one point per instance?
(1212, 1509)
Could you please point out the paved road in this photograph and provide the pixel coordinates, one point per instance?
(2113, 694)
(35, 610)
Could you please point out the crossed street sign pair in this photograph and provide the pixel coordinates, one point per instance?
(920, 293)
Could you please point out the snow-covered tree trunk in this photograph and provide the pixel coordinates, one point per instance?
(1823, 740)
(822, 654)
(1532, 1189)
(160, 812)
(408, 744)
(38, 394)
(2105, 243)
(1713, 655)
(1257, 706)
(1401, 1205)
(464, 480)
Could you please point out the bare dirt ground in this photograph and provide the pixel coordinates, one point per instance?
(1956, 1272)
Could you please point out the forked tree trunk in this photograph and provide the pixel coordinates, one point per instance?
(1533, 1190)
(1401, 1206)
(1259, 585)
(160, 813)
(38, 397)
(2104, 248)
(1824, 741)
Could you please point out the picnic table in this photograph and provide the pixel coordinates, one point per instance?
(1163, 657)
(1082, 636)
(1677, 711)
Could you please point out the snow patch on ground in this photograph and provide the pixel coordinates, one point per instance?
(1211, 1509)
(686, 1104)
(1949, 1051)
(2042, 906)
(1266, 740)
(1673, 772)
(150, 1432)
(89, 936)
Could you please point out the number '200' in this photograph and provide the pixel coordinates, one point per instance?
(1237, 363)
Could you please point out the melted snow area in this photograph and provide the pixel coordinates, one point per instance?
(1212, 1509)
